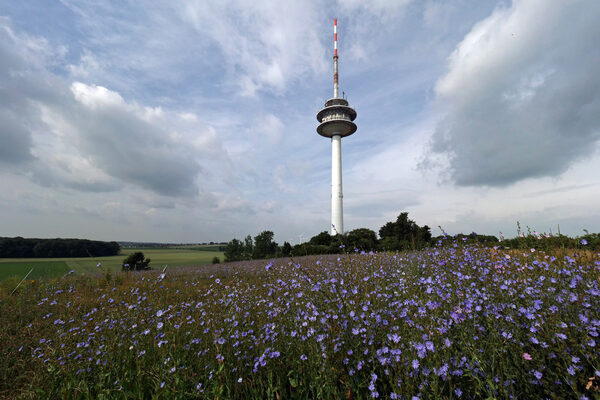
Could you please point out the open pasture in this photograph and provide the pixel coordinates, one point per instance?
(448, 323)
(57, 267)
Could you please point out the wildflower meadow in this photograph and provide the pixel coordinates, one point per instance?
(454, 321)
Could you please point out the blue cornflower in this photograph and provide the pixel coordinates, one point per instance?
(429, 345)
(421, 350)
(394, 338)
(274, 354)
(534, 340)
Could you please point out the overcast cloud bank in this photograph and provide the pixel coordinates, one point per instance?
(196, 122)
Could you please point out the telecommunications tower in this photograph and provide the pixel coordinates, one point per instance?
(335, 123)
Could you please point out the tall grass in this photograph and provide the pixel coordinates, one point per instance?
(453, 322)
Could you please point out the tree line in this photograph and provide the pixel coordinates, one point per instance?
(19, 247)
(400, 235)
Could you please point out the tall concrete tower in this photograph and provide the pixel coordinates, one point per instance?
(335, 123)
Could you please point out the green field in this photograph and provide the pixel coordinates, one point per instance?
(56, 267)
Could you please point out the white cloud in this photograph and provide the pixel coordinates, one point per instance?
(521, 95)
(88, 137)
(381, 8)
(95, 97)
(265, 45)
(88, 65)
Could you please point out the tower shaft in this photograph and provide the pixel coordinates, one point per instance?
(337, 207)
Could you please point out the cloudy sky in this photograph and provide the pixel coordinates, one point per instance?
(193, 121)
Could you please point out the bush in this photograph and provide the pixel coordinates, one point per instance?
(216, 260)
(136, 262)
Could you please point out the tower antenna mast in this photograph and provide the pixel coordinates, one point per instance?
(335, 60)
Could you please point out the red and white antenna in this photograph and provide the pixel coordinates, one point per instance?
(335, 60)
(335, 37)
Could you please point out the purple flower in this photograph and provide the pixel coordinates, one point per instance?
(415, 364)
(537, 374)
(421, 350)
(372, 386)
(584, 242)
(274, 354)
(394, 338)
(458, 392)
(429, 345)
(571, 370)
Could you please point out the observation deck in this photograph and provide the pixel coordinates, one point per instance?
(336, 118)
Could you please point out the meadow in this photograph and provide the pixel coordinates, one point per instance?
(451, 322)
(57, 267)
